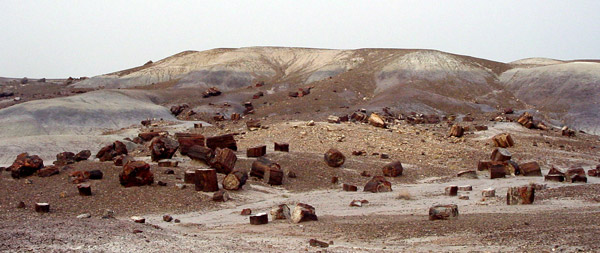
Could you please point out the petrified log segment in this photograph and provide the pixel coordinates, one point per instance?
(136, 174)
(443, 212)
(512, 168)
(304, 212)
(393, 169)
(224, 160)
(520, 195)
(280, 212)
(84, 189)
(497, 171)
(64, 158)
(593, 173)
(206, 180)
(48, 171)
(121, 160)
(77, 177)
(163, 148)
(222, 141)
(488, 193)
(201, 153)
(96, 174)
(465, 188)
(186, 141)
(283, 147)
(235, 116)
(378, 184)
(530, 169)
(376, 120)
(526, 120)
(189, 176)
(253, 124)
(83, 155)
(111, 151)
(334, 158)
(349, 188)
(25, 165)
(317, 243)
(457, 131)
(259, 219)
(273, 176)
(256, 151)
(148, 136)
(500, 155)
(235, 180)
(167, 163)
(452, 190)
(358, 117)
(42, 207)
(576, 175)
(261, 165)
(246, 211)
(503, 140)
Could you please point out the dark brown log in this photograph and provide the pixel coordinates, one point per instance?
(317, 243)
(481, 128)
(283, 147)
(457, 131)
(200, 153)
(349, 188)
(526, 120)
(259, 219)
(136, 174)
(280, 212)
(530, 169)
(222, 141)
(497, 171)
(206, 180)
(443, 212)
(189, 176)
(334, 158)
(503, 140)
(42, 207)
(575, 175)
(246, 211)
(148, 136)
(393, 169)
(163, 147)
(83, 155)
(500, 155)
(48, 171)
(261, 165)
(273, 176)
(304, 212)
(378, 184)
(520, 195)
(224, 160)
(256, 151)
(84, 189)
(186, 141)
(235, 180)
(451, 190)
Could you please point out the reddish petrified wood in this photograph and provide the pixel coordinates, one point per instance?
(452, 190)
(378, 184)
(84, 189)
(48, 171)
(304, 212)
(235, 180)
(77, 177)
(334, 158)
(503, 140)
(253, 124)
(498, 171)
(186, 141)
(530, 169)
(280, 212)
(443, 212)
(256, 151)
(246, 211)
(25, 165)
(64, 158)
(283, 147)
(148, 136)
(500, 155)
(575, 175)
(349, 188)
(457, 131)
(42, 207)
(189, 176)
(163, 148)
(111, 151)
(83, 155)
(269, 171)
(259, 219)
(520, 195)
(206, 180)
(222, 141)
(136, 174)
(224, 160)
(393, 169)
(201, 153)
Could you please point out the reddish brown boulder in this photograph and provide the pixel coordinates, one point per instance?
(334, 158)
(25, 165)
(503, 140)
(136, 174)
(256, 151)
(206, 180)
(576, 175)
(163, 148)
(530, 169)
(96, 174)
(594, 173)
(520, 195)
(186, 141)
(65, 158)
(42, 207)
(393, 169)
(283, 147)
(222, 141)
(224, 160)
(358, 117)
(378, 184)
(498, 171)
(48, 171)
(111, 151)
(83, 155)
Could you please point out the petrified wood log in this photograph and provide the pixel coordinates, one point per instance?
(378, 184)
(497, 171)
(96, 174)
(457, 131)
(222, 141)
(83, 155)
(163, 148)
(84, 189)
(317, 243)
(334, 158)
(500, 155)
(189, 176)
(224, 160)
(520, 195)
(393, 169)
(443, 212)
(136, 174)
(488, 193)
(111, 151)
(148, 136)
(235, 180)
(246, 211)
(280, 212)
(253, 124)
(259, 219)
(42, 207)
(304, 212)
(256, 151)
(503, 140)
(574, 175)
(25, 165)
(349, 188)
(261, 165)
(530, 169)
(467, 174)
(200, 153)
(167, 163)
(64, 158)
(283, 147)
(187, 140)
(376, 120)
(451, 190)
(220, 196)
(206, 180)
(48, 171)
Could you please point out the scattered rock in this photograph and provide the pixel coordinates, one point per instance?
(291, 174)
(95, 174)
(451, 190)
(443, 212)
(111, 151)
(530, 169)
(393, 169)
(463, 197)
(283, 147)
(83, 155)
(520, 195)
(84, 189)
(138, 219)
(48, 171)
(25, 165)
(500, 155)
(349, 188)
(220, 196)
(503, 140)
(161, 183)
(211, 92)
(333, 119)
(42, 207)
(108, 214)
(576, 175)
(376, 120)
(222, 141)
(206, 180)
(21, 204)
(180, 186)
(280, 212)
(84, 216)
(304, 212)
(465, 188)
(257, 151)
(136, 174)
(64, 158)
(334, 158)
(77, 177)
(168, 163)
(224, 160)
(259, 219)
(457, 131)
(246, 211)
(488, 193)
(163, 147)
(378, 184)
(235, 180)
(167, 218)
(567, 132)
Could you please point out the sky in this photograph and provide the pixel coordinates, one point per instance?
(57, 39)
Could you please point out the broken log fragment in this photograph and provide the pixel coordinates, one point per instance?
(189, 176)
(488, 193)
(224, 160)
(201, 153)
(136, 174)
(349, 188)
(84, 189)
(256, 151)
(443, 212)
(575, 175)
(334, 180)
(334, 158)
(497, 171)
(456, 131)
(167, 163)
(163, 147)
(282, 147)
(317, 243)
(467, 174)
(262, 165)
(522, 195)
(393, 169)
(304, 212)
(42, 207)
(500, 155)
(235, 180)
(246, 211)
(530, 169)
(376, 120)
(253, 124)
(503, 140)
(378, 184)
(187, 140)
(83, 155)
(259, 219)
(206, 180)
(280, 212)
(222, 141)
(451, 190)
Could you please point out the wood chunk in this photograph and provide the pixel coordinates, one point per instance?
(148, 136)
(200, 153)
(500, 155)
(292, 174)
(282, 147)
(393, 169)
(206, 180)
(317, 243)
(246, 211)
(136, 174)
(349, 188)
(378, 184)
(262, 165)
(488, 193)
(273, 176)
(47, 171)
(197, 125)
(443, 212)
(222, 141)
(457, 131)
(480, 128)
(280, 212)
(220, 196)
(520, 195)
(256, 151)
(497, 171)
(512, 168)
(84, 189)
(163, 147)
(304, 212)
(235, 180)
(235, 116)
(376, 120)
(463, 197)
(554, 178)
(189, 176)
(576, 175)
(503, 140)
(259, 219)
(42, 207)
(333, 119)
(526, 120)
(167, 218)
(167, 163)
(253, 125)
(224, 160)
(530, 169)
(138, 219)
(451, 190)
(593, 173)
(465, 188)
(334, 180)
(334, 158)
(467, 174)
(188, 140)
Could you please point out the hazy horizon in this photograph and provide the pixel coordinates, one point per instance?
(57, 39)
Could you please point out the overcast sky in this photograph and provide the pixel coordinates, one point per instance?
(86, 38)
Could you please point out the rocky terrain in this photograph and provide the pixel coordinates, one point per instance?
(173, 151)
